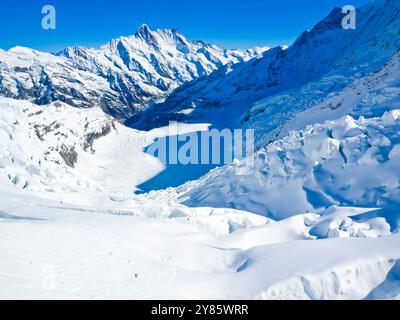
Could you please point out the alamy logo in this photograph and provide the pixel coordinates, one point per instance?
(49, 21)
(212, 147)
(350, 19)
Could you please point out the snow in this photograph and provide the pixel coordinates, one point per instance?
(121, 77)
(324, 68)
(53, 250)
(79, 232)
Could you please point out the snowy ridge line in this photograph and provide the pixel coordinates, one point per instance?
(266, 92)
(369, 96)
(351, 281)
(121, 77)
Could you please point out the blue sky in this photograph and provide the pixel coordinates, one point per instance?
(230, 23)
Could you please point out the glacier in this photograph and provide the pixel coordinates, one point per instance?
(315, 216)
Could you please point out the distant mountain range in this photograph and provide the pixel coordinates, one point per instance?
(266, 92)
(121, 77)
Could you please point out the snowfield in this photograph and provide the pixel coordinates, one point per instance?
(53, 250)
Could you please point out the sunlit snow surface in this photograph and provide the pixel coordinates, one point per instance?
(79, 232)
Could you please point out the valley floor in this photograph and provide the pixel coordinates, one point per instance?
(53, 250)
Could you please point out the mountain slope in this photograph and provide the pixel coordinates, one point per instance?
(59, 148)
(71, 226)
(310, 170)
(368, 96)
(68, 215)
(322, 60)
(121, 77)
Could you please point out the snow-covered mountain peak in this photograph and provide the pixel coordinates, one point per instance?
(327, 55)
(122, 76)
